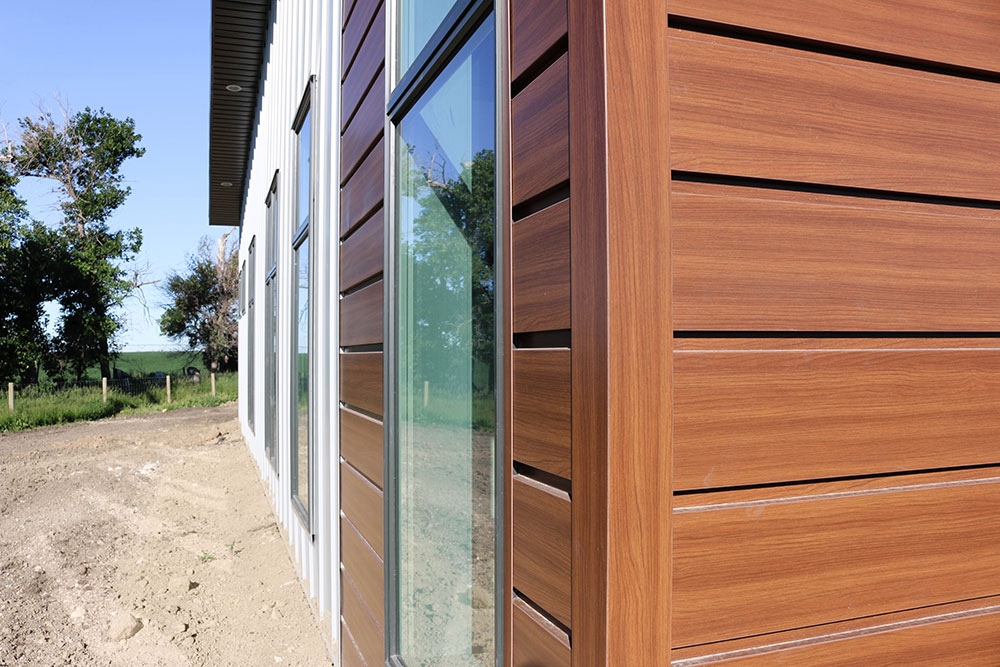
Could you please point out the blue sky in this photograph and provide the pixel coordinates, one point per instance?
(147, 60)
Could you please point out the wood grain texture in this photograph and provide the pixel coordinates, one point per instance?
(541, 270)
(536, 26)
(362, 253)
(368, 636)
(540, 133)
(364, 70)
(364, 130)
(746, 259)
(835, 342)
(350, 653)
(746, 109)
(817, 559)
(362, 195)
(361, 444)
(536, 641)
(361, 503)
(355, 30)
(542, 569)
(365, 568)
(361, 380)
(543, 410)
(754, 417)
(956, 32)
(361, 316)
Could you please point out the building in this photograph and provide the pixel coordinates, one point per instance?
(624, 332)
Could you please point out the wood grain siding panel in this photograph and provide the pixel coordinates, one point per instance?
(746, 109)
(361, 255)
(536, 641)
(536, 26)
(361, 380)
(751, 566)
(361, 316)
(540, 133)
(361, 444)
(747, 259)
(367, 635)
(542, 547)
(541, 270)
(957, 32)
(365, 568)
(364, 130)
(366, 66)
(363, 193)
(361, 503)
(543, 409)
(351, 654)
(754, 417)
(356, 29)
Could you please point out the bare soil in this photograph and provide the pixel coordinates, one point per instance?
(157, 523)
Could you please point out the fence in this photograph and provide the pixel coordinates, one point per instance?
(131, 386)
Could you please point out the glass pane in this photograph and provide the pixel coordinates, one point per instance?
(418, 19)
(304, 150)
(446, 370)
(251, 337)
(270, 240)
(300, 460)
(270, 367)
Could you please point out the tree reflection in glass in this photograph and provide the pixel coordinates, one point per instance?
(446, 365)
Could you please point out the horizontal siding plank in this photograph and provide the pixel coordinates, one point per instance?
(356, 28)
(361, 380)
(361, 316)
(745, 259)
(541, 281)
(364, 131)
(541, 527)
(351, 654)
(835, 342)
(368, 636)
(365, 568)
(535, 641)
(362, 195)
(758, 111)
(535, 27)
(956, 32)
(361, 444)
(540, 133)
(362, 253)
(368, 62)
(542, 408)
(750, 566)
(361, 503)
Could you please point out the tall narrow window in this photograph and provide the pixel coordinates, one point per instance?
(251, 334)
(445, 369)
(301, 432)
(271, 325)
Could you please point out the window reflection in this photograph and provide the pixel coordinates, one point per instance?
(300, 460)
(418, 19)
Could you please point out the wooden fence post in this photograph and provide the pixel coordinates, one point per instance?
(104, 389)
(168, 389)
(213, 384)
(10, 396)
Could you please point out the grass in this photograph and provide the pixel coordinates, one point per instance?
(34, 409)
(141, 364)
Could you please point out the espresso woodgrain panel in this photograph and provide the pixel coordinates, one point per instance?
(367, 63)
(746, 109)
(536, 641)
(542, 546)
(361, 503)
(541, 270)
(361, 380)
(540, 133)
(962, 633)
(361, 255)
(361, 316)
(759, 416)
(536, 26)
(351, 654)
(365, 568)
(368, 636)
(956, 32)
(543, 409)
(363, 193)
(364, 130)
(746, 259)
(361, 444)
(358, 25)
(751, 566)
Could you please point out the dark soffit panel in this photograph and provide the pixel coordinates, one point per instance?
(239, 35)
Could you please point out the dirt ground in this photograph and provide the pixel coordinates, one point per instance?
(157, 524)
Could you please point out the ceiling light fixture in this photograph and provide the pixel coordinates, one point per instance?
(233, 88)
(226, 184)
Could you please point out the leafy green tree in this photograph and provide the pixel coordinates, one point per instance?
(204, 304)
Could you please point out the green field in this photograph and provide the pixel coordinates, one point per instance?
(141, 364)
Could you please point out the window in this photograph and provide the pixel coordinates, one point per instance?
(271, 325)
(243, 290)
(445, 501)
(251, 337)
(301, 453)
(418, 19)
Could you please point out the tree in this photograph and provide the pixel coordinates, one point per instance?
(204, 304)
(83, 157)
